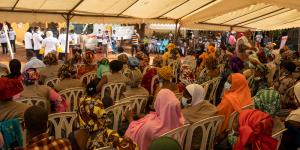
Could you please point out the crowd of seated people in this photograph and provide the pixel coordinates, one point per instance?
(265, 98)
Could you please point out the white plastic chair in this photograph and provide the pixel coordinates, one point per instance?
(72, 96)
(278, 137)
(203, 71)
(175, 67)
(114, 89)
(233, 116)
(209, 128)
(119, 110)
(77, 66)
(88, 77)
(62, 121)
(214, 83)
(52, 81)
(178, 134)
(154, 78)
(138, 101)
(34, 101)
(146, 69)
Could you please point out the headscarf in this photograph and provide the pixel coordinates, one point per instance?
(268, 101)
(204, 56)
(92, 116)
(89, 57)
(232, 40)
(9, 87)
(50, 59)
(123, 58)
(77, 57)
(167, 116)
(165, 73)
(211, 63)
(103, 67)
(67, 71)
(133, 62)
(167, 54)
(200, 109)
(255, 129)
(157, 61)
(164, 143)
(236, 64)
(30, 76)
(233, 100)
(197, 92)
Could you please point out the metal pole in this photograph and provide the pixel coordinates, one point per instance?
(175, 34)
(5, 28)
(67, 37)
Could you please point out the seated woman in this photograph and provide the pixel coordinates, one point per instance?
(144, 60)
(15, 69)
(286, 81)
(268, 101)
(254, 131)
(77, 58)
(88, 60)
(236, 95)
(10, 109)
(93, 118)
(115, 77)
(51, 69)
(212, 70)
(124, 59)
(54, 101)
(196, 109)
(103, 68)
(167, 116)
(147, 78)
(165, 75)
(135, 77)
(67, 74)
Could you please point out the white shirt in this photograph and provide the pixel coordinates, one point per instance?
(12, 35)
(27, 40)
(37, 39)
(99, 37)
(50, 44)
(74, 38)
(62, 40)
(3, 38)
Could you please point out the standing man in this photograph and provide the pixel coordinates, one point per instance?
(105, 41)
(114, 41)
(62, 40)
(12, 38)
(3, 41)
(28, 40)
(99, 38)
(37, 40)
(134, 42)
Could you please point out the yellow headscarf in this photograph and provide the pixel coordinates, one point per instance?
(165, 73)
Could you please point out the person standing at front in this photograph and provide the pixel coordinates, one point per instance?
(135, 42)
(3, 41)
(12, 38)
(28, 40)
(62, 40)
(37, 39)
(50, 43)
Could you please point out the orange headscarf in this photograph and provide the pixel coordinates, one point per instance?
(233, 100)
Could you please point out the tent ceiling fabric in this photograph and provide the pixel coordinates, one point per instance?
(194, 14)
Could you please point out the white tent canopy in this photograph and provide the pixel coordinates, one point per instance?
(193, 14)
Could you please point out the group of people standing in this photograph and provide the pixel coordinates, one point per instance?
(12, 39)
(43, 43)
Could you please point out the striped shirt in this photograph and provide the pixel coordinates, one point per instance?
(135, 39)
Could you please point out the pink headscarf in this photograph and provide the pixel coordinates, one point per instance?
(166, 117)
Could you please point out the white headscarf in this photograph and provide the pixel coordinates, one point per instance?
(49, 34)
(197, 92)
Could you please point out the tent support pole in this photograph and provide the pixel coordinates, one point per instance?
(176, 31)
(67, 37)
(5, 27)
